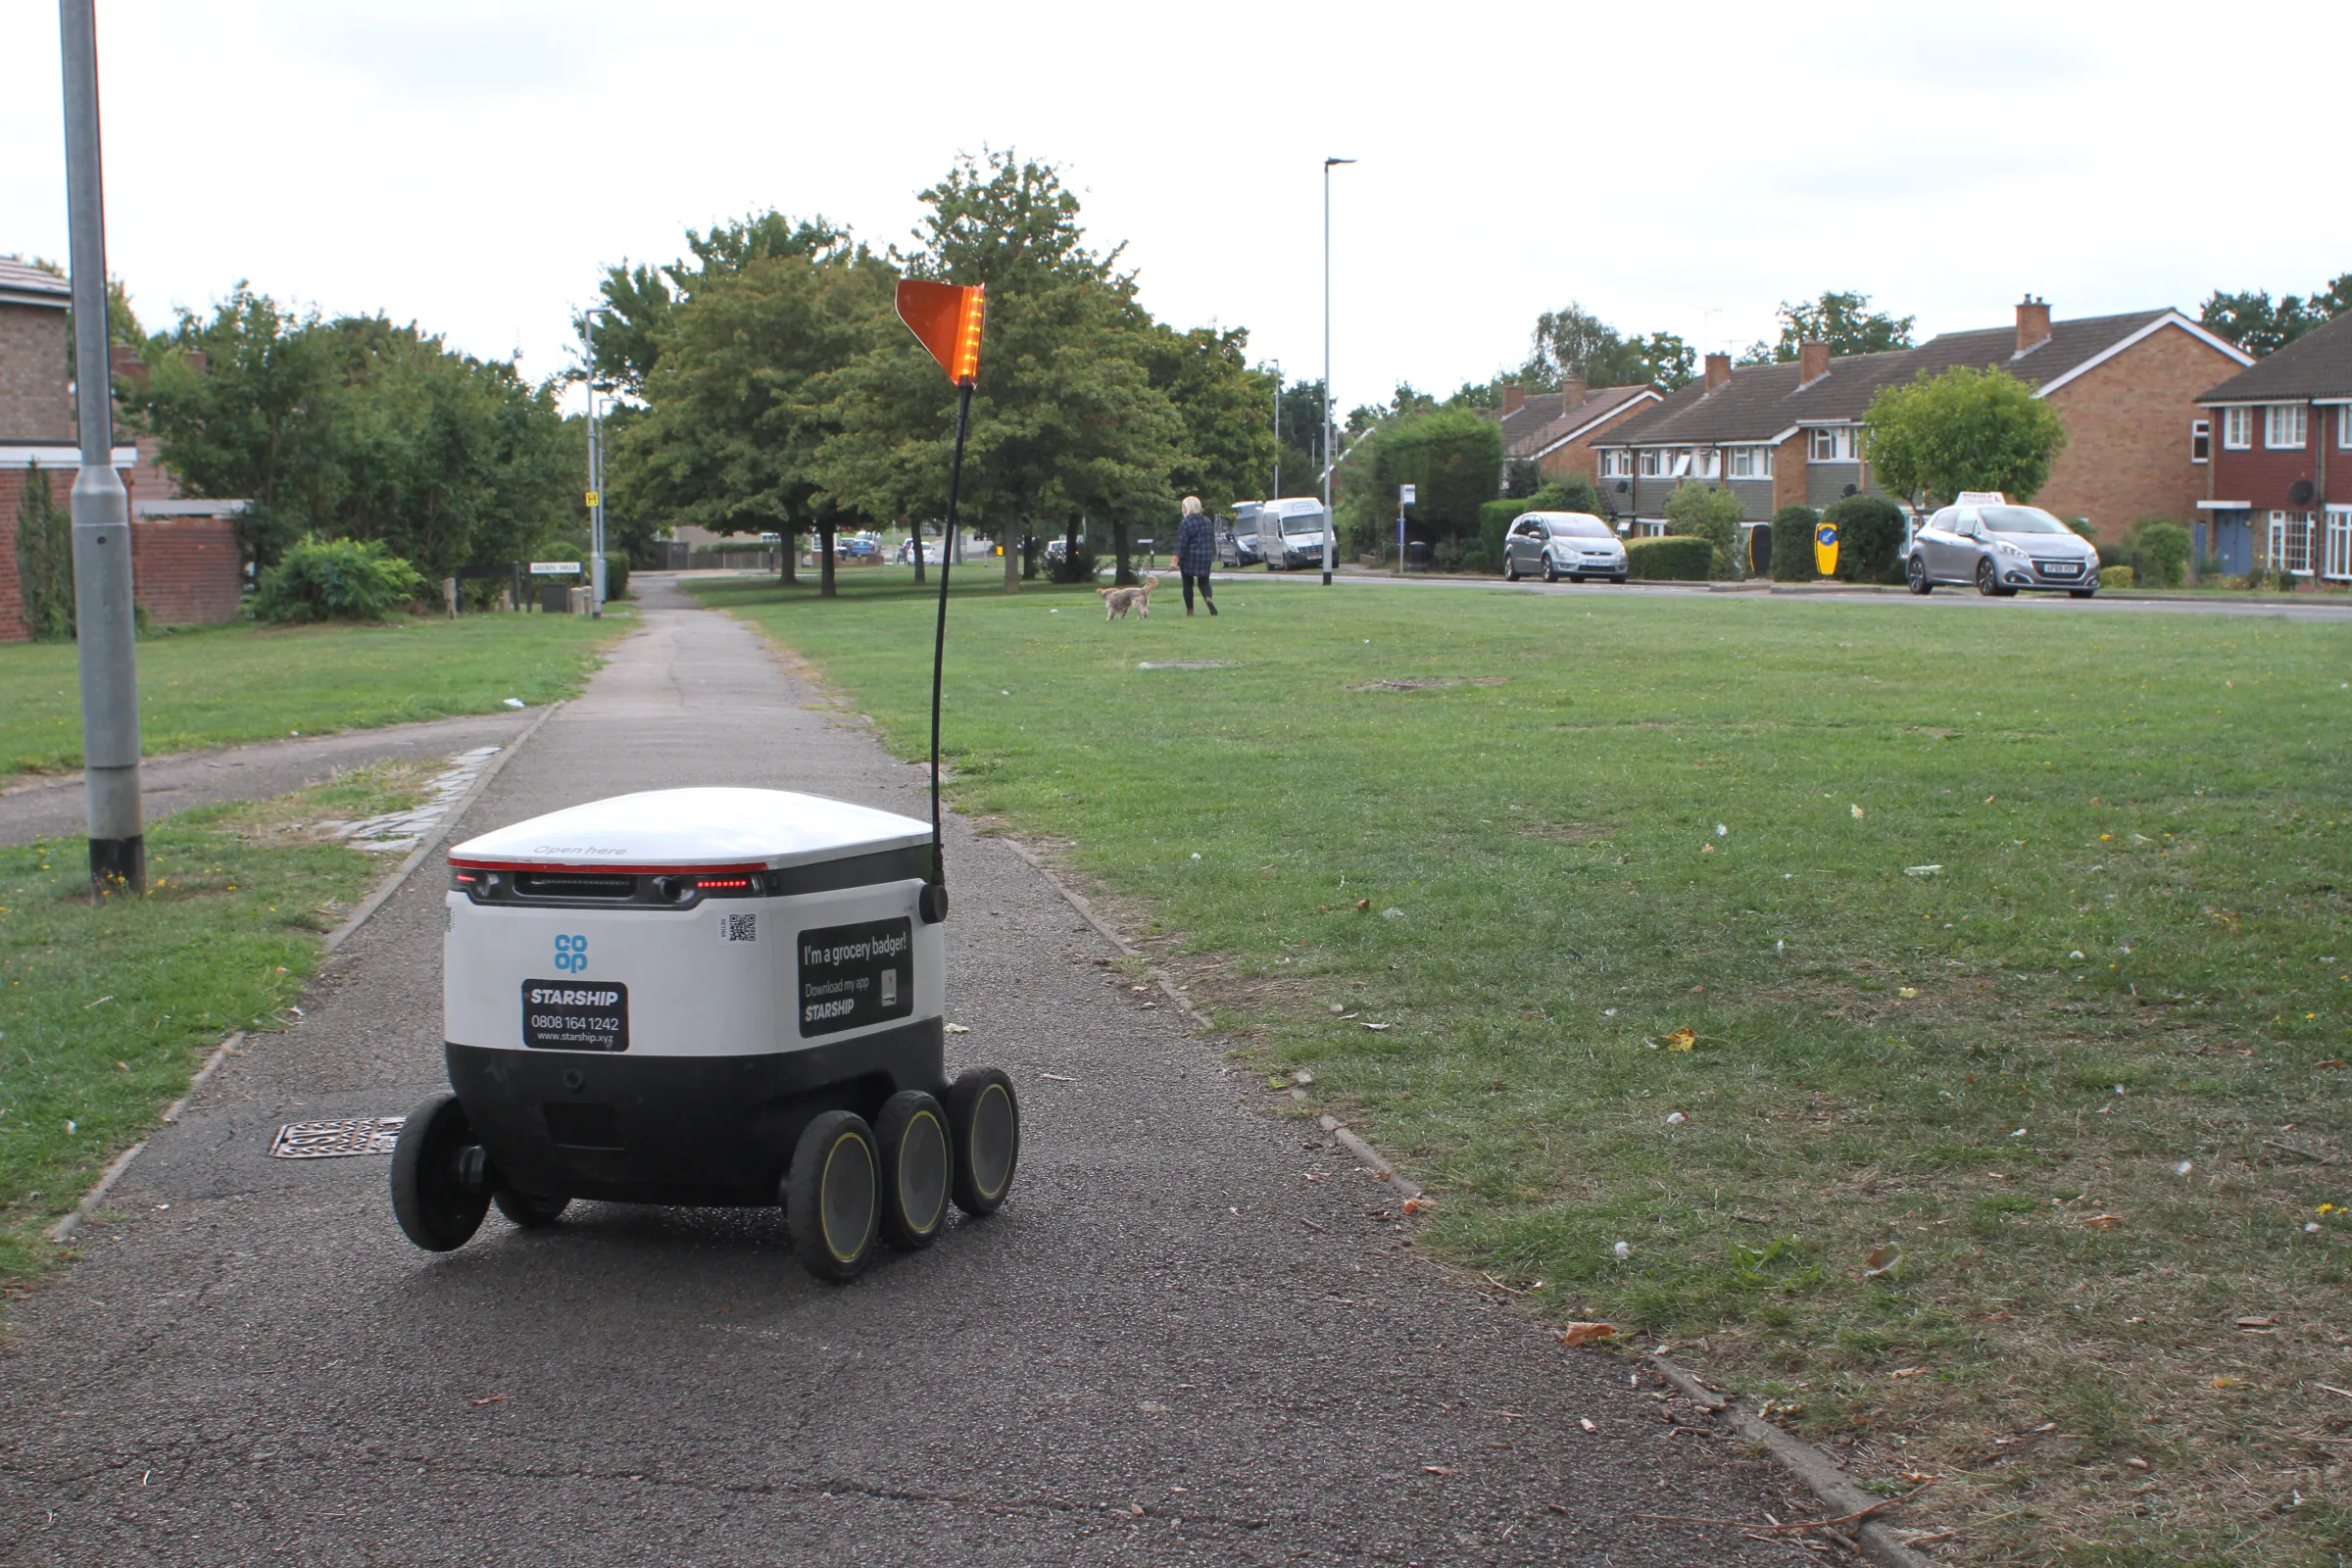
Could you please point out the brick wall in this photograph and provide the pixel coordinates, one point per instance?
(2259, 476)
(2127, 453)
(1789, 481)
(188, 571)
(1583, 455)
(34, 375)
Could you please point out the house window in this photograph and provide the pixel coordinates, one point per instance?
(1706, 463)
(2282, 426)
(1835, 444)
(2200, 440)
(2238, 429)
(1653, 463)
(1616, 465)
(1680, 465)
(2343, 427)
(1751, 462)
(2291, 542)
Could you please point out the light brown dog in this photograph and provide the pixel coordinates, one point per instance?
(1116, 601)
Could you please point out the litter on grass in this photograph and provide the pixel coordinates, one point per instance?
(1922, 870)
(1587, 1333)
(1883, 1260)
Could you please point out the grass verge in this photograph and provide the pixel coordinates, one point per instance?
(2009, 1146)
(222, 685)
(106, 1012)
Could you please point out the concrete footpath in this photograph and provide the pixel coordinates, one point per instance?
(1169, 1346)
(55, 807)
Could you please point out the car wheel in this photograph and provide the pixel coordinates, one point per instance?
(1552, 573)
(1511, 571)
(1619, 580)
(1989, 579)
(1915, 575)
(1576, 576)
(2081, 593)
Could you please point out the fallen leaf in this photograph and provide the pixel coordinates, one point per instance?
(1859, 813)
(1587, 1333)
(1906, 992)
(2256, 1322)
(1362, 905)
(1906, 1371)
(495, 1399)
(958, 1029)
(1682, 1039)
(1440, 1470)
(2224, 1381)
(2104, 1222)
(1883, 1259)
(1418, 1205)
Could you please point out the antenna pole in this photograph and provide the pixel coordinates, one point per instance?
(935, 896)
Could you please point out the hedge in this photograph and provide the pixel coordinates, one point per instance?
(1793, 544)
(1870, 538)
(617, 575)
(1494, 519)
(1678, 558)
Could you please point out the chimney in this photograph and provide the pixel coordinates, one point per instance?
(1719, 369)
(1572, 393)
(123, 361)
(1513, 400)
(2032, 324)
(1812, 361)
(197, 361)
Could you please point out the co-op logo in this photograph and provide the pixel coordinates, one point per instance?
(572, 954)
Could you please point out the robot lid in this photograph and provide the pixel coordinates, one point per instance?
(693, 830)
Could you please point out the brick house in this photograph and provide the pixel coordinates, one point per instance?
(2279, 429)
(188, 566)
(2126, 386)
(1560, 431)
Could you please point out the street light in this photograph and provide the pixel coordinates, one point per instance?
(596, 474)
(105, 627)
(1328, 163)
(1277, 491)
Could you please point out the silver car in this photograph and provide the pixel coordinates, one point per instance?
(2000, 548)
(1574, 545)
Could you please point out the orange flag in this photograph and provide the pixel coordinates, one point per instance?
(945, 319)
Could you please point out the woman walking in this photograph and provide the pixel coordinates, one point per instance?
(1195, 553)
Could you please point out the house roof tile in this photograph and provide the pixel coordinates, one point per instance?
(2316, 364)
(1763, 401)
(24, 285)
(1522, 438)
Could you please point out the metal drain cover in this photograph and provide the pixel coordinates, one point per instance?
(331, 1140)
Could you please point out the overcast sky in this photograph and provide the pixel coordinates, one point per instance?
(1683, 168)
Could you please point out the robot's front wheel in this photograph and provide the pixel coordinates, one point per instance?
(439, 1187)
(833, 1195)
(985, 1116)
(916, 1169)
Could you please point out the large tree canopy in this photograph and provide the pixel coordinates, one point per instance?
(2252, 322)
(358, 428)
(1843, 321)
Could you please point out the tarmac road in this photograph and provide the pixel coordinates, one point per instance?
(1169, 1346)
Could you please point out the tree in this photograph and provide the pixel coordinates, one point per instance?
(1226, 449)
(1302, 440)
(1842, 320)
(44, 560)
(1574, 344)
(1966, 429)
(1065, 417)
(1710, 513)
(2251, 322)
(1452, 456)
(738, 398)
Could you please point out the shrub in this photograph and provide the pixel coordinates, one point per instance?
(2160, 549)
(1453, 457)
(335, 579)
(1078, 566)
(1570, 493)
(1707, 511)
(1870, 538)
(2117, 577)
(1494, 519)
(1793, 544)
(1677, 558)
(45, 560)
(617, 575)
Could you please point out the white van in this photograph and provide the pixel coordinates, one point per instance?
(1291, 533)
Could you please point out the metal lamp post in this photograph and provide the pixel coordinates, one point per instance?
(1328, 465)
(596, 477)
(1277, 491)
(105, 620)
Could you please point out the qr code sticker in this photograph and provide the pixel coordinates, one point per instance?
(738, 928)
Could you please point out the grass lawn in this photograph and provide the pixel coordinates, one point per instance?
(221, 685)
(105, 1013)
(2008, 1141)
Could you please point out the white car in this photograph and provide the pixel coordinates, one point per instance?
(1574, 545)
(934, 552)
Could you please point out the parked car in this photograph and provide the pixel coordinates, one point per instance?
(856, 546)
(1291, 533)
(934, 552)
(1236, 538)
(1574, 545)
(2000, 548)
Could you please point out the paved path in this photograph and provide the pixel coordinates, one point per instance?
(55, 807)
(1169, 1346)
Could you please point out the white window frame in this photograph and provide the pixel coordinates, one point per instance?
(1653, 465)
(1679, 467)
(2285, 427)
(2290, 542)
(2237, 428)
(1706, 463)
(1832, 443)
(1751, 462)
(2338, 566)
(1616, 463)
(2343, 427)
(2200, 441)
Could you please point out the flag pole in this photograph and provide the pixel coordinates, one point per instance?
(935, 894)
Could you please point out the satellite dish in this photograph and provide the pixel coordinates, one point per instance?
(1621, 487)
(1848, 490)
(2299, 492)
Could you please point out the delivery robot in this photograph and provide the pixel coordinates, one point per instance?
(705, 996)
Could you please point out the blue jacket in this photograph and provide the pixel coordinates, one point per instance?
(1195, 545)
